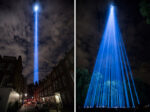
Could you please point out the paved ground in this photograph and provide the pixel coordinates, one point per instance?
(32, 108)
(27, 108)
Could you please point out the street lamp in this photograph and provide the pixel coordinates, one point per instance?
(25, 94)
(57, 98)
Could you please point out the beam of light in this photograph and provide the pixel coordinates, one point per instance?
(112, 84)
(36, 8)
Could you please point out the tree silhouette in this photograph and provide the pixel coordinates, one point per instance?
(145, 10)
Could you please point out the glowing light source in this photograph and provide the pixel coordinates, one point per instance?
(57, 98)
(111, 8)
(112, 84)
(25, 94)
(15, 94)
(36, 8)
(43, 99)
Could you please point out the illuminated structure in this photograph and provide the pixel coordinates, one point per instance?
(59, 83)
(112, 84)
(36, 11)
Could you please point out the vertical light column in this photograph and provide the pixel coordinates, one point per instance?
(111, 84)
(36, 77)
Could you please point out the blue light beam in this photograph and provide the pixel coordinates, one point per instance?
(36, 9)
(112, 83)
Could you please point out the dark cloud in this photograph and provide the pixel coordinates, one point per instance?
(91, 19)
(55, 32)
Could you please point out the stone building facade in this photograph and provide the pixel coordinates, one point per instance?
(58, 86)
(11, 73)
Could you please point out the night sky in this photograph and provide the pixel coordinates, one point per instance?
(91, 19)
(55, 32)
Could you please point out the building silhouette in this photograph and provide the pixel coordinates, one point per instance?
(58, 86)
(11, 73)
